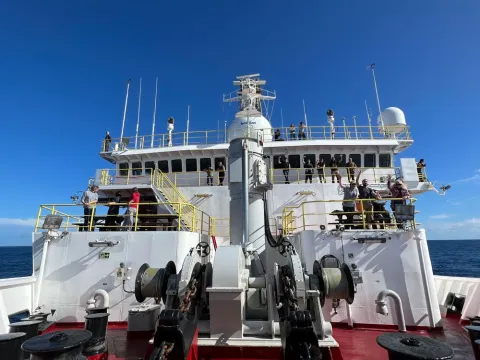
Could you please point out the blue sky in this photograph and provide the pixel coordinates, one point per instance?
(65, 64)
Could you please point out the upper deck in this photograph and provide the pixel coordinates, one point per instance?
(353, 135)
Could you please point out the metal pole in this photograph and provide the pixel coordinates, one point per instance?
(245, 199)
(125, 111)
(154, 111)
(355, 125)
(138, 113)
(378, 99)
(188, 121)
(225, 131)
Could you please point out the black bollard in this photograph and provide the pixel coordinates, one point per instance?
(401, 346)
(11, 345)
(97, 310)
(97, 325)
(58, 345)
(474, 333)
(473, 318)
(30, 328)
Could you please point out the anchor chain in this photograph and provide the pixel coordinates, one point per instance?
(191, 291)
(165, 350)
(289, 289)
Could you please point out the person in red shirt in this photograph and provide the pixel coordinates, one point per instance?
(132, 209)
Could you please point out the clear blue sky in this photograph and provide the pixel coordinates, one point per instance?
(65, 64)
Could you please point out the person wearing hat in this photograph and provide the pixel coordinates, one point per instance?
(350, 195)
(132, 209)
(399, 193)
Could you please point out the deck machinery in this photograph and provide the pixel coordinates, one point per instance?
(236, 300)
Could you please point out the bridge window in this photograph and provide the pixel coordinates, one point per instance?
(357, 159)
(149, 167)
(220, 160)
(341, 159)
(278, 161)
(163, 166)
(369, 160)
(137, 168)
(326, 158)
(294, 161)
(384, 160)
(307, 157)
(205, 163)
(191, 165)
(123, 169)
(177, 165)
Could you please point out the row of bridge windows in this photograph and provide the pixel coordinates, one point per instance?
(295, 160)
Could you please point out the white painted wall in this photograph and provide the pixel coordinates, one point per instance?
(393, 265)
(469, 287)
(15, 295)
(74, 270)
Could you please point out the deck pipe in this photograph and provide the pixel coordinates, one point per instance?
(30, 328)
(58, 345)
(97, 325)
(382, 307)
(103, 295)
(245, 193)
(11, 345)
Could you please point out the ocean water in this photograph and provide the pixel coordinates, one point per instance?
(449, 257)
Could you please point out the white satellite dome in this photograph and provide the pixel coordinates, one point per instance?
(258, 124)
(393, 120)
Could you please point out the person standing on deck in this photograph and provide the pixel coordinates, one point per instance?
(301, 132)
(89, 201)
(308, 171)
(334, 168)
(286, 168)
(209, 172)
(221, 173)
(366, 192)
(351, 170)
(107, 142)
(398, 192)
(350, 194)
(421, 173)
(292, 131)
(112, 213)
(132, 209)
(321, 170)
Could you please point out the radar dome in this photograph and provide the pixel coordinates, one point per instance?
(257, 123)
(393, 120)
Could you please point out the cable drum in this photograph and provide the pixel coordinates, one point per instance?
(334, 282)
(152, 282)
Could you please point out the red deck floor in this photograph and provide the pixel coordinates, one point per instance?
(356, 344)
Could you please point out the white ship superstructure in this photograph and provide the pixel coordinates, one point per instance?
(239, 244)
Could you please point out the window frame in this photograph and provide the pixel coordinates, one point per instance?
(148, 169)
(122, 170)
(297, 160)
(312, 158)
(389, 160)
(165, 165)
(366, 163)
(187, 164)
(175, 165)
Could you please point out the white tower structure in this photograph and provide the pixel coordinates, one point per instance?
(247, 170)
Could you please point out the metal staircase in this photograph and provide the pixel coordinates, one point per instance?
(167, 192)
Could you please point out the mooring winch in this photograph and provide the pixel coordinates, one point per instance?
(11, 345)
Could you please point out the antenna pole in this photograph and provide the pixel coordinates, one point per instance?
(125, 110)
(305, 116)
(225, 131)
(369, 120)
(138, 114)
(355, 126)
(154, 111)
(378, 99)
(188, 121)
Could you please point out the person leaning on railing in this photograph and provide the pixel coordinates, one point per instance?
(398, 192)
(334, 169)
(350, 194)
(132, 209)
(89, 201)
(366, 192)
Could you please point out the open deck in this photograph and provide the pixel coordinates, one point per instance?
(214, 137)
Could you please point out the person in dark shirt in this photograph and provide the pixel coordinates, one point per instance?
(221, 173)
(420, 166)
(285, 167)
(278, 135)
(321, 170)
(334, 169)
(209, 172)
(112, 213)
(351, 169)
(366, 192)
(308, 171)
(107, 142)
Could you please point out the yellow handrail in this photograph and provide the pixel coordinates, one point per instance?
(289, 217)
(187, 215)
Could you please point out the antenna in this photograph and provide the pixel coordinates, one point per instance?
(355, 125)
(304, 113)
(378, 99)
(125, 110)
(281, 116)
(188, 121)
(154, 111)
(138, 114)
(369, 117)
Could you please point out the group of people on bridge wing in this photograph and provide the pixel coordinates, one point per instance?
(90, 201)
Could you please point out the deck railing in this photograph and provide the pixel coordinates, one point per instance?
(212, 137)
(146, 218)
(375, 175)
(311, 215)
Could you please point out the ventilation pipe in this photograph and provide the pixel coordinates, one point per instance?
(382, 307)
(245, 173)
(104, 296)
